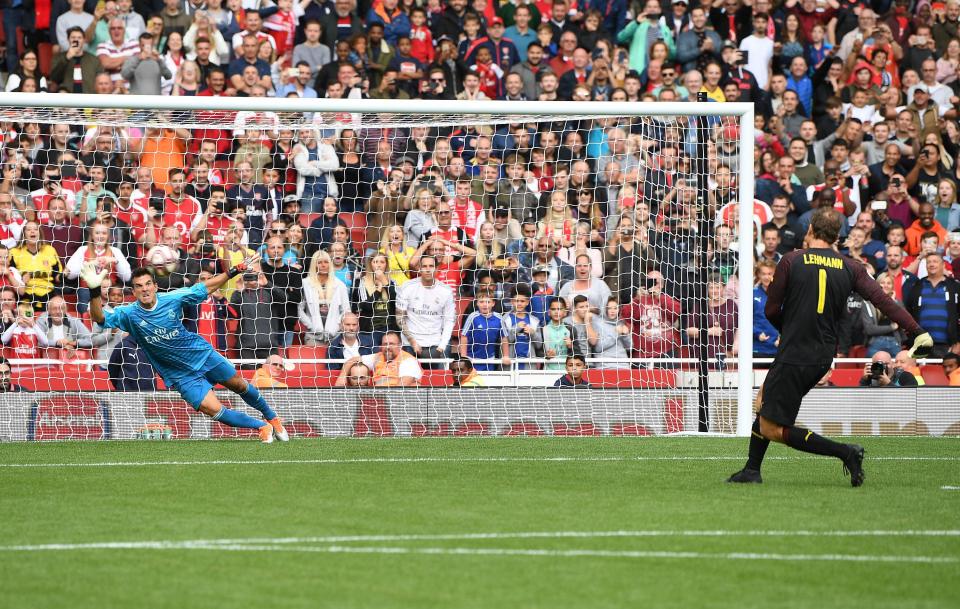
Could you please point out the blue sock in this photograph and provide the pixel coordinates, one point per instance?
(254, 399)
(235, 418)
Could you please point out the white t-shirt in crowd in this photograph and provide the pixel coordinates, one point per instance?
(761, 54)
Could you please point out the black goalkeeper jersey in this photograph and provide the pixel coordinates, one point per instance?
(808, 298)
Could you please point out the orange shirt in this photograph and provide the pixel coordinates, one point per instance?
(163, 152)
(914, 231)
(262, 380)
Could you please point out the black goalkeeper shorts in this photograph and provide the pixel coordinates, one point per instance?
(784, 388)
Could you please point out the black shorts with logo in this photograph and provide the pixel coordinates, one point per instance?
(784, 388)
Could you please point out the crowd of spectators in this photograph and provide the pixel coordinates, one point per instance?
(493, 242)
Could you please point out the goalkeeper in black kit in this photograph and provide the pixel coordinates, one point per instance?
(805, 302)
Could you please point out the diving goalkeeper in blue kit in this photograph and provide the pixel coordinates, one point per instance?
(184, 360)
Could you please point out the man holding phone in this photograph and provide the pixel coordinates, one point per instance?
(75, 70)
(145, 69)
(757, 50)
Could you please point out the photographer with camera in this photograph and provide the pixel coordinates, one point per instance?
(884, 371)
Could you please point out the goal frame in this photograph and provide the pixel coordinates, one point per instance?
(744, 111)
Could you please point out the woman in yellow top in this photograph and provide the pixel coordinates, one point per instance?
(233, 252)
(712, 74)
(39, 265)
(398, 254)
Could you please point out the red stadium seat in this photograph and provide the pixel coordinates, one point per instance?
(628, 379)
(847, 377)
(933, 375)
(66, 378)
(357, 219)
(308, 375)
(436, 378)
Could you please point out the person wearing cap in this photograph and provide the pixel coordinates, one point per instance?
(502, 50)
(678, 19)
(271, 374)
(734, 72)
(699, 44)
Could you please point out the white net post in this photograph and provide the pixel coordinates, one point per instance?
(217, 113)
(745, 375)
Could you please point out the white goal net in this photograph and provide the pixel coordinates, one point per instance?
(445, 244)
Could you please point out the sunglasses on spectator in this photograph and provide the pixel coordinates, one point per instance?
(278, 230)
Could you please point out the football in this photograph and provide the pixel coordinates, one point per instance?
(161, 260)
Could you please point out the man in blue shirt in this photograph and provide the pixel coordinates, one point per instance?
(934, 301)
(183, 359)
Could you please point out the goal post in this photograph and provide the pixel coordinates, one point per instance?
(219, 114)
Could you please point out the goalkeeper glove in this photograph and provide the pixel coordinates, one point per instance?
(923, 342)
(242, 267)
(91, 276)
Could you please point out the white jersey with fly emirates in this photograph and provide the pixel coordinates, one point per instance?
(430, 312)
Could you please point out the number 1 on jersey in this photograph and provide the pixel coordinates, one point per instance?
(822, 292)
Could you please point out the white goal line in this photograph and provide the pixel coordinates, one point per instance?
(295, 544)
(402, 460)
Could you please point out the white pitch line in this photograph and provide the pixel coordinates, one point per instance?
(390, 460)
(950, 488)
(576, 553)
(336, 539)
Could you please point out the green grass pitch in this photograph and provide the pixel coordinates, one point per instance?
(498, 523)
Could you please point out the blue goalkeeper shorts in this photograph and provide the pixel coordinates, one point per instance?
(195, 386)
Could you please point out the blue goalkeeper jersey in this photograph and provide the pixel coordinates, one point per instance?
(174, 351)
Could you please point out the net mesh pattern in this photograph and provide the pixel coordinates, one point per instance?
(635, 216)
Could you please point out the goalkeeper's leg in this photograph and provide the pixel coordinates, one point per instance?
(252, 396)
(212, 407)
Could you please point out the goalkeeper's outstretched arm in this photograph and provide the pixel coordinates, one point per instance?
(217, 281)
